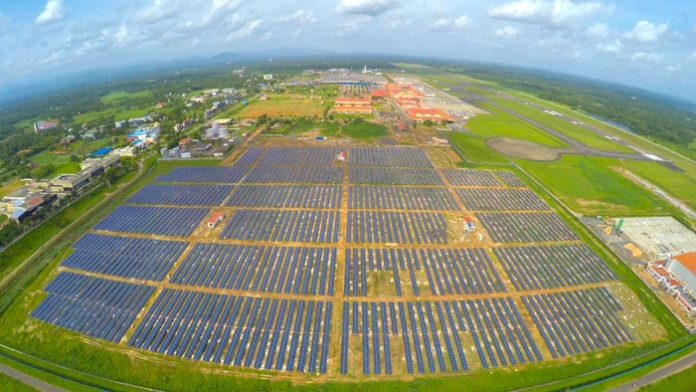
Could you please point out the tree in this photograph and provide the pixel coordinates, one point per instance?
(43, 171)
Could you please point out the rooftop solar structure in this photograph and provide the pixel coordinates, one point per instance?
(168, 221)
(218, 175)
(99, 308)
(392, 156)
(125, 257)
(300, 156)
(182, 195)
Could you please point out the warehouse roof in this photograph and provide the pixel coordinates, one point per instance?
(688, 260)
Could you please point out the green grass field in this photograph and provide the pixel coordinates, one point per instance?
(62, 162)
(474, 148)
(10, 187)
(562, 126)
(283, 105)
(115, 112)
(680, 382)
(8, 383)
(504, 125)
(121, 97)
(588, 185)
(364, 130)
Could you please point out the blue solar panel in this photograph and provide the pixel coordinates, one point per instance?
(286, 196)
(307, 271)
(179, 222)
(182, 195)
(393, 156)
(221, 175)
(230, 330)
(393, 176)
(125, 257)
(366, 227)
(288, 226)
(295, 175)
(99, 308)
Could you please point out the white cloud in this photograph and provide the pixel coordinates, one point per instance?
(559, 13)
(448, 24)
(52, 12)
(159, 10)
(611, 48)
(672, 68)
(247, 29)
(354, 24)
(224, 5)
(647, 32)
(598, 30)
(300, 17)
(399, 22)
(462, 21)
(506, 32)
(367, 7)
(647, 57)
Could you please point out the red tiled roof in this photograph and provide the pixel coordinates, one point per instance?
(216, 216)
(421, 113)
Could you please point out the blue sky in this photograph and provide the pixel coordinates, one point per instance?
(649, 44)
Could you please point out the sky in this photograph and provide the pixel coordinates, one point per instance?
(648, 44)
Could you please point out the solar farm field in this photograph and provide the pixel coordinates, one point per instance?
(295, 262)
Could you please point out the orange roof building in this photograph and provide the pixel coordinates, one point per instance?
(424, 114)
(346, 105)
(683, 267)
(379, 94)
(215, 219)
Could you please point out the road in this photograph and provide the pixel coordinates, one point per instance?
(29, 380)
(659, 374)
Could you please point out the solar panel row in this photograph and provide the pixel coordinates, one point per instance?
(308, 271)
(99, 308)
(125, 257)
(241, 331)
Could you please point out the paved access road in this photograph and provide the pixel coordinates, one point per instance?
(659, 374)
(29, 380)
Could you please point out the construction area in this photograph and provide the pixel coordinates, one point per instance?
(661, 251)
(343, 262)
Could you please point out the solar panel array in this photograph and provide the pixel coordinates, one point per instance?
(373, 238)
(99, 308)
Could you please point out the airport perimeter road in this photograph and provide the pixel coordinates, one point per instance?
(659, 374)
(29, 380)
